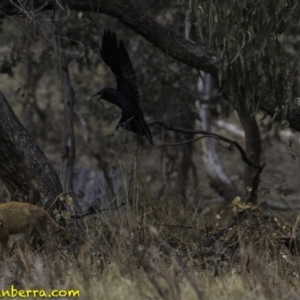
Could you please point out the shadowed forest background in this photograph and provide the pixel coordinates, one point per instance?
(168, 92)
(185, 214)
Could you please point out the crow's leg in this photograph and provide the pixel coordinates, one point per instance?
(123, 124)
(140, 133)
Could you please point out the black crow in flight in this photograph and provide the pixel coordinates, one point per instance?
(126, 96)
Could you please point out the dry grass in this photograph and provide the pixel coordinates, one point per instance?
(152, 250)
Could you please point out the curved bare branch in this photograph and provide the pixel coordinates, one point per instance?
(167, 40)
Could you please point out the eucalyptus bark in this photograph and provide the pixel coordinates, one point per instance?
(24, 168)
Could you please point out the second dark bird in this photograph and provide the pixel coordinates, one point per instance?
(126, 96)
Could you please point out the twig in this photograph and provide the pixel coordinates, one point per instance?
(212, 135)
(208, 243)
(187, 142)
(165, 225)
(95, 210)
(61, 194)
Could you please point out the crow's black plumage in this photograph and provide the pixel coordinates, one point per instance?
(126, 96)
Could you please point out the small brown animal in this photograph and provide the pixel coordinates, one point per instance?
(31, 220)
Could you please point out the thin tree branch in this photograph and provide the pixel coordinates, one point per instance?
(94, 210)
(186, 142)
(214, 135)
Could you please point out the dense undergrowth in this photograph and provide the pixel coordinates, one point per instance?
(163, 250)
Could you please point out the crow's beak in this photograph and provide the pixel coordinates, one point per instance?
(97, 95)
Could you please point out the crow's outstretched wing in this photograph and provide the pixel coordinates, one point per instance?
(117, 58)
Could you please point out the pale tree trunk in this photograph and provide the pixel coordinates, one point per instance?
(219, 180)
(24, 169)
(187, 163)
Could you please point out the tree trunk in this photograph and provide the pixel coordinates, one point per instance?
(253, 151)
(24, 168)
(68, 147)
(219, 179)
